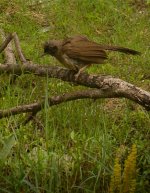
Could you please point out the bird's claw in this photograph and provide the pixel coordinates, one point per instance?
(77, 76)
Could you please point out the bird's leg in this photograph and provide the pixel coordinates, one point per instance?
(80, 71)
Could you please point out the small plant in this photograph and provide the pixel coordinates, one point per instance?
(115, 184)
(125, 182)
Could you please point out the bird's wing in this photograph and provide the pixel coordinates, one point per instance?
(80, 48)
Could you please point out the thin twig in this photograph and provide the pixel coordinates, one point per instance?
(18, 48)
(6, 41)
(9, 54)
(7, 47)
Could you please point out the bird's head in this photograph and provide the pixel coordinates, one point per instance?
(51, 47)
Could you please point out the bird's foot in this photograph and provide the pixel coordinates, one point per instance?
(77, 75)
(79, 72)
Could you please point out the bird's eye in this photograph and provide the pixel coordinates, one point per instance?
(50, 49)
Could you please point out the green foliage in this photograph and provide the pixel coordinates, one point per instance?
(76, 149)
(126, 182)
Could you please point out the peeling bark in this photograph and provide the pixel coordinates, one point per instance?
(111, 86)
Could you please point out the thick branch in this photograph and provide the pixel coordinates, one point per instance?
(36, 107)
(109, 85)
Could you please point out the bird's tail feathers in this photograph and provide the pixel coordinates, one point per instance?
(121, 49)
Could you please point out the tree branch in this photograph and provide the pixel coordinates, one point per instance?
(55, 100)
(18, 48)
(6, 41)
(7, 47)
(113, 87)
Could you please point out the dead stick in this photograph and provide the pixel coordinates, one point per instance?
(6, 41)
(18, 48)
(8, 50)
(36, 107)
(55, 100)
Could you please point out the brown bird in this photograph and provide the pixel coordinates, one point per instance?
(77, 53)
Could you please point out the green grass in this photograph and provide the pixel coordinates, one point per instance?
(75, 149)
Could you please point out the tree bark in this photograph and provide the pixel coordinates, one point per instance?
(109, 85)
